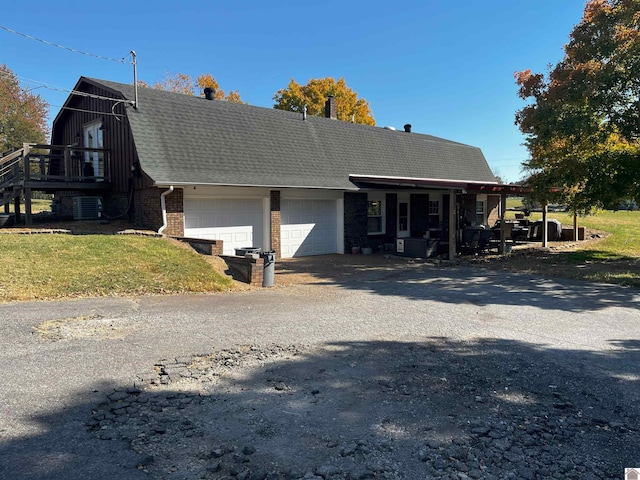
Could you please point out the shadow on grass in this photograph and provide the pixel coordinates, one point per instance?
(595, 256)
(355, 410)
(596, 266)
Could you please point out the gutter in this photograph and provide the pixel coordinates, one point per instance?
(165, 183)
(163, 205)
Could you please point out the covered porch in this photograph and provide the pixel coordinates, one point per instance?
(425, 217)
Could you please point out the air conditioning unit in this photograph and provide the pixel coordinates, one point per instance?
(87, 208)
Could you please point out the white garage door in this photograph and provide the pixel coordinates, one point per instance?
(237, 222)
(308, 227)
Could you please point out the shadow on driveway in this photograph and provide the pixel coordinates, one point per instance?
(389, 409)
(450, 282)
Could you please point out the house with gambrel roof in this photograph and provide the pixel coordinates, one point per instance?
(251, 176)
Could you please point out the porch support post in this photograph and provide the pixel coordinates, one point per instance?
(452, 224)
(28, 220)
(340, 224)
(545, 226)
(266, 224)
(275, 216)
(27, 162)
(503, 227)
(67, 164)
(16, 209)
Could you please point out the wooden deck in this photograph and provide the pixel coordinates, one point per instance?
(51, 169)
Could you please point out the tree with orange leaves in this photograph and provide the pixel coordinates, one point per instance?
(182, 83)
(23, 114)
(314, 94)
(582, 125)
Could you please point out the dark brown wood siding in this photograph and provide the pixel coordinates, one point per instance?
(117, 137)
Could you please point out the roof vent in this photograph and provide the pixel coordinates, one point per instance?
(389, 128)
(407, 127)
(209, 93)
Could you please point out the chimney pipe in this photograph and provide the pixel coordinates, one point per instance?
(330, 108)
(209, 93)
(407, 128)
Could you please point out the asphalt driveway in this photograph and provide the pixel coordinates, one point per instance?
(60, 359)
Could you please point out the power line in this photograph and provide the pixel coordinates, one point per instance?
(64, 90)
(32, 81)
(122, 60)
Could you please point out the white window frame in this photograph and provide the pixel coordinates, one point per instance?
(481, 200)
(93, 138)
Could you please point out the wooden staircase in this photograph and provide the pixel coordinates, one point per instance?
(11, 176)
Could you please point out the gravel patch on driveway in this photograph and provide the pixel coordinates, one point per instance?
(378, 371)
(393, 410)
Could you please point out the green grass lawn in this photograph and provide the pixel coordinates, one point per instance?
(624, 227)
(614, 259)
(49, 266)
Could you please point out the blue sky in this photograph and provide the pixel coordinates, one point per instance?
(445, 67)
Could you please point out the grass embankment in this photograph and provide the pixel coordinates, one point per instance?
(614, 259)
(49, 266)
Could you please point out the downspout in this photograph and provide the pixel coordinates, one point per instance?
(163, 205)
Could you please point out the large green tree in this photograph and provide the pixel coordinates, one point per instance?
(182, 83)
(314, 94)
(582, 124)
(23, 114)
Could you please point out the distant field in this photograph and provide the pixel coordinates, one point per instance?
(514, 202)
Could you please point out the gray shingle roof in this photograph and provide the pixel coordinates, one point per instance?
(183, 139)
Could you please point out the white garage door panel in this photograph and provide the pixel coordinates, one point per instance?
(308, 227)
(237, 222)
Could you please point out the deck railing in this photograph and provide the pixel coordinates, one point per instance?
(52, 163)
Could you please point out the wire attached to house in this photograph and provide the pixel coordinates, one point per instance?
(121, 60)
(61, 107)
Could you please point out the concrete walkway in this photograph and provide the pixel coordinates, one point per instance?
(83, 349)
